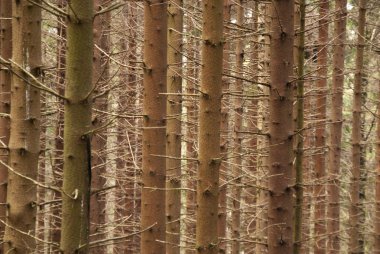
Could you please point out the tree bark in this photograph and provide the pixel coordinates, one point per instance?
(263, 142)
(209, 128)
(333, 189)
(154, 106)
(299, 169)
(319, 192)
(280, 209)
(5, 97)
(77, 127)
(173, 130)
(224, 145)
(237, 152)
(24, 145)
(376, 247)
(356, 216)
(101, 29)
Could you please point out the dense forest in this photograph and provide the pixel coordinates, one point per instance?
(187, 126)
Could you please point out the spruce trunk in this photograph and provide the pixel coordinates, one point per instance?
(280, 210)
(24, 145)
(356, 221)
(209, 128)
(333, 187)
(153, 137)
(77, 127)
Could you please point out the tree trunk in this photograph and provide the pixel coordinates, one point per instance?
(333, 189)
(77, 126)
(173, 131)
(101, 29)
(153, 162)
(238, 107)
(209, 128)
(376, 247)
(299, 187)
(280, 210)
(356, 219)
(24, 145)
(5, 97)
(263, 142)
(319, 192)
(224, 145)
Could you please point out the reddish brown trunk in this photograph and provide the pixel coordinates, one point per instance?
(280, 210)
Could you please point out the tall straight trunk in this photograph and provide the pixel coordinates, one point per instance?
(319, 192)
(5, 97)
(356, 244)
(24, 146)
(77, 126)
(300, 133)
(251, 123)
(238, 107)
(376, 247)
(58, 151)
(224, 145)
(191, 134)
(209, 128)
(173, 131)
(154, 107)
(99, 141)
(263, 141)
(333, 189)
(280, 210)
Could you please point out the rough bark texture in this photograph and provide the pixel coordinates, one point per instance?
(333, 190)
(5, 97)
(319, 191)
(173, 130)
(280, 209)
(209, 128)
(24, 144)
(237, 136)
(153, 140)
(224, 143)
(357, 219)
(77, 152)
(299, 170)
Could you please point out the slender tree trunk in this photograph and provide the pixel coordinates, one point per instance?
(319, 192)
(333, 189)
(300, 133)
(263, 143)
(237, 168)
(280, 210)
(376, 247)
(222, 213)
(101, 28)
(251, 123)
(153, 164)
(24, 146)
(58, 152)
(173, 131)
(77, 147)
(209, 128)
(5, 97)
(356, 220)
